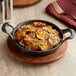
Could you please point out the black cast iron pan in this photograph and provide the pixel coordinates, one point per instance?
(37, 53)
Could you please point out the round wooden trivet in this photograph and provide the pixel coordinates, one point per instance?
(20, 3)
(14, 51)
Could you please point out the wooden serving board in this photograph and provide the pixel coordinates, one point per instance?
(16, 53)
(24, 2)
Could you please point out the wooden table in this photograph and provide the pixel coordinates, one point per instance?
(12, 67)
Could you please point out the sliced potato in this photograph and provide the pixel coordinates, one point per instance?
(42, 34)
(54, 33)
(54, 41)
(28, 27)
(49, 45)
(48, 28)
(45, 28)
(39, 24)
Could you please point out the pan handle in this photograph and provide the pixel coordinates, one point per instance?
(5, 30)
(71, 31)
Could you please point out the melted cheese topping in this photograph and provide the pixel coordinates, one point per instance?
(37, 36)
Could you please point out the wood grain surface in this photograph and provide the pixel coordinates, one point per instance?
(18, 3)
(9, 66)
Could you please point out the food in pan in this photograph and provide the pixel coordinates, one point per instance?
(37, 36)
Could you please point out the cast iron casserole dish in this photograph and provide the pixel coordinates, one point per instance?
(38, 53)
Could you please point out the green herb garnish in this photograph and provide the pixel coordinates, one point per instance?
(39, 46)
(33, 36)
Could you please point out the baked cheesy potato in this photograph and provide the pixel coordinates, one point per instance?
(37, 36)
